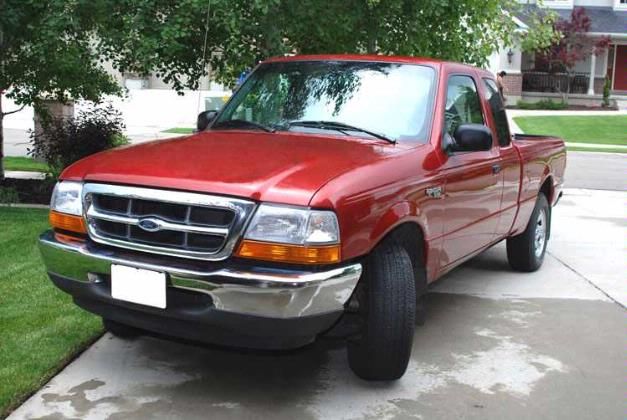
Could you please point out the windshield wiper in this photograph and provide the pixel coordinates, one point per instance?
(239, 123)
(339, 126)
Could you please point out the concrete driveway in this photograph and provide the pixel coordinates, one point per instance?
(496, 345)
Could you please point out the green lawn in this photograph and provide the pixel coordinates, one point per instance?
(12, 163)
(604, 129)
(40, 328)
(179, 130)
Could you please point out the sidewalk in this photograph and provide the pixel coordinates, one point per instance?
(24, 175)
(16, 141)
(574, 113)
(597, 146)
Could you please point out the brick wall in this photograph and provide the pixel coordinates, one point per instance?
(512, 84)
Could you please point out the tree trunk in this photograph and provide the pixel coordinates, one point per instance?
(1, 113)
(372, 44)
(568, 84)
(1, 141)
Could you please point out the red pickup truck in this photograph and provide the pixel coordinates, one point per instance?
(325, 196)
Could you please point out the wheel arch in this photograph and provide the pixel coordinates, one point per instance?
(548, 189)
(410, 236)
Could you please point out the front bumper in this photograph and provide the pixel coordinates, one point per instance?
(246, 306)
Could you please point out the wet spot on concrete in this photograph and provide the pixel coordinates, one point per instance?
(522, 318)
(509, 367)
(77, 397)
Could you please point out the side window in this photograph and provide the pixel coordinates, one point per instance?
(498, 111)
(462, 103)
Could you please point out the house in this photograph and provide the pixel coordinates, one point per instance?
(529, 80)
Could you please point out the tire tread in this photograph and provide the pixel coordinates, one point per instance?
(384, 349)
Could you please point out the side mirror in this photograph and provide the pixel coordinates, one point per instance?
(204, 119)
(471, 138)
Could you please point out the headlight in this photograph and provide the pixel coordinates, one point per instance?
(293, 235)
(67, 198)
(290, 225)
(66, 208)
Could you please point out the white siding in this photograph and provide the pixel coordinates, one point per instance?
(500, 61)
(571, 3)
(600, 67)
(597, 3)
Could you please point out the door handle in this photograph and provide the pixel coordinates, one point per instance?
(496, 169)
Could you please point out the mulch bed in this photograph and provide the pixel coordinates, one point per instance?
(30, 191)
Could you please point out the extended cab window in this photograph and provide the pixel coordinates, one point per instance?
(498, 112)
(462, 103)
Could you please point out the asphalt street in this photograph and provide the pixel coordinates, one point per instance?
(598, 171)
(496, 344)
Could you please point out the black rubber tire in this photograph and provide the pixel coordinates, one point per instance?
(120, 330)
(521, 249)
(387, 308)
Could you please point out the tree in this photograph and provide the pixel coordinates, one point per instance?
(542, 33)
(575, 45)
(46, 53)
(240, 33)
(54, 48)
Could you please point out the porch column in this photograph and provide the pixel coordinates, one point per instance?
(593, 65)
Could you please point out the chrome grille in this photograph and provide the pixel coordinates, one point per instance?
(175, 223)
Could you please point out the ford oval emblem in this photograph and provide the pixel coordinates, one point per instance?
(150, 225)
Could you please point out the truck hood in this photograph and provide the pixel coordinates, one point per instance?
(275, 167)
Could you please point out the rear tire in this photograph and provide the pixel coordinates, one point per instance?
(525, 252)
(120, 330)
(387, 308)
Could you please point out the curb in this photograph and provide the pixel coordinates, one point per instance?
(596, 146)
(26, 206)
(24, 175)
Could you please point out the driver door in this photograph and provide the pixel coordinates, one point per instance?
(473, 180)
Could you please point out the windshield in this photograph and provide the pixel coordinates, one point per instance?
(367, 99)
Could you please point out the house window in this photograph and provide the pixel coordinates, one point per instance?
(620, 4)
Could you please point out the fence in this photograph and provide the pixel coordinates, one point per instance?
(536, 81)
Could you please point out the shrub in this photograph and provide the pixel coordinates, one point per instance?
(606, 93)
(547, 104)
(31, 191)
(64, 141)
(8, 195)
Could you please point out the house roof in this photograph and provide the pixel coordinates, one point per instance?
(604, 19)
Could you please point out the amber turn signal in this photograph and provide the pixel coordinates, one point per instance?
(67, 222)
(296, 254)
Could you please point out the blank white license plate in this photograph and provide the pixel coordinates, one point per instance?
(136, 285)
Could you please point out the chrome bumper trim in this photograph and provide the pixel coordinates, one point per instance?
(273, 293)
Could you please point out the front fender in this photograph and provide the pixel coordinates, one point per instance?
(399, 213)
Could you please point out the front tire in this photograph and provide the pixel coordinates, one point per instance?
(525, 252)
(387, 308)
